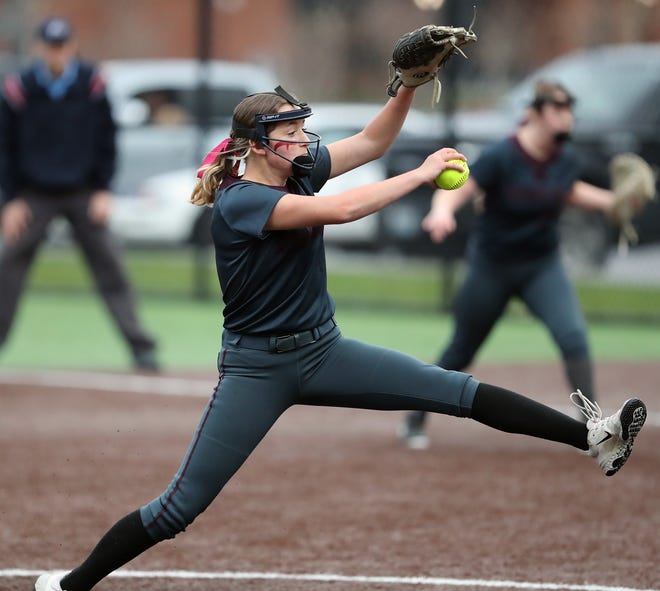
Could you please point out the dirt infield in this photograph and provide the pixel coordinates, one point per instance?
(333, 491)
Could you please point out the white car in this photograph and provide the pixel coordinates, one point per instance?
(155, 103)
(160, 212)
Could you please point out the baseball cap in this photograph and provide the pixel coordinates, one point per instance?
(55, 29)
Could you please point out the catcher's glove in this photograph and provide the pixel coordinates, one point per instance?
(418, 55)
(633, 184)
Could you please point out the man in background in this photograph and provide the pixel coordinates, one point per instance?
(57, 159)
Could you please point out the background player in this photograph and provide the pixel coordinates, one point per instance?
(526, 180)
(57, 158)
(281, 345)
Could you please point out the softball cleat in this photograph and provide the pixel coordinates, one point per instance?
(611, 438)
(413, 437)
(49, 582)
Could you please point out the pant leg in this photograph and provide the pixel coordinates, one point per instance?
(550, 296)
(16, 258)
(102, 254)
(478, 305)
(254, 389)
(348, 373)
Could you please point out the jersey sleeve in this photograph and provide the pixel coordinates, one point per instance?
(487, 170)
(246, 207)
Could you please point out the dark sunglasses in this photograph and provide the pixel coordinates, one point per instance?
(566, 103)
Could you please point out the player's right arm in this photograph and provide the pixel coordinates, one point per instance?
(441, 219)
(299, 211)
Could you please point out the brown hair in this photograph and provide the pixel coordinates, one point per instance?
(227, 161)
(546, 91)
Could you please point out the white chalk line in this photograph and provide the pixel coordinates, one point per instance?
(150, 384)
(336, 578)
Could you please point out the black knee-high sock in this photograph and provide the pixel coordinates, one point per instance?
(507, 411)
(124, 541)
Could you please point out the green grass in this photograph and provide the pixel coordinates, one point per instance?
(399, 283)
(73, 330)
(392, 302)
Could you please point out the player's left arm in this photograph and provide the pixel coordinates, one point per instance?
(105, 153)
(375, 139)
(587, 196)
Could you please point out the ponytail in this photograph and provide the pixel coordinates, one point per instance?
(224, 160)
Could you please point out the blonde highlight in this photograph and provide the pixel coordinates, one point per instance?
(228, 161)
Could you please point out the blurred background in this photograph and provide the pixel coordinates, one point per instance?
(175, 69)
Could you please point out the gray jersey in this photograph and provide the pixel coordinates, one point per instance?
(272, 282)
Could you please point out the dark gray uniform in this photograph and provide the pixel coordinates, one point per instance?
(514, 252)
(282, 347)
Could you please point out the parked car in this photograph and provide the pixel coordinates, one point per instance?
(159, 213)
(156, 104)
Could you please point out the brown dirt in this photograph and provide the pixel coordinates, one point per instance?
(333, 491)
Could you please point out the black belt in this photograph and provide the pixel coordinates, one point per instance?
(281, 343)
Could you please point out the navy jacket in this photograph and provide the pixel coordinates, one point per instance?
(55, 144)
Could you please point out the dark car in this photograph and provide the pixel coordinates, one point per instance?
(618, 110)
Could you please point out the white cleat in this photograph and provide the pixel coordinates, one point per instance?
(414, 438)
(611, 438)
(49, 582)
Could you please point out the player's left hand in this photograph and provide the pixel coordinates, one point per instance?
(418, 55)
(633, 186)
(439, 223)
(100, 207)
(14, 219)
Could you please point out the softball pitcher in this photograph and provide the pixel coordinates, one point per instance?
(281, 345)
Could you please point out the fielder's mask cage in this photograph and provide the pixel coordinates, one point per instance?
(302, 165)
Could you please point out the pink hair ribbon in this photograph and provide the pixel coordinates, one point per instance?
(212, 155)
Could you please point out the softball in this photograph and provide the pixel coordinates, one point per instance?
(452, 179)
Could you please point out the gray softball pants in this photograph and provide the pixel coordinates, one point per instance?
(543, 285)
(255, 387)
(101, 253)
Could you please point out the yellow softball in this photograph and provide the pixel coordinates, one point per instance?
(452, 179)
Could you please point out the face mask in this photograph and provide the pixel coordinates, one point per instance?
(301, 165)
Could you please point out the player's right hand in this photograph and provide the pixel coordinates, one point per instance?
(439, 223)
(438, 161)
(16, 216)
